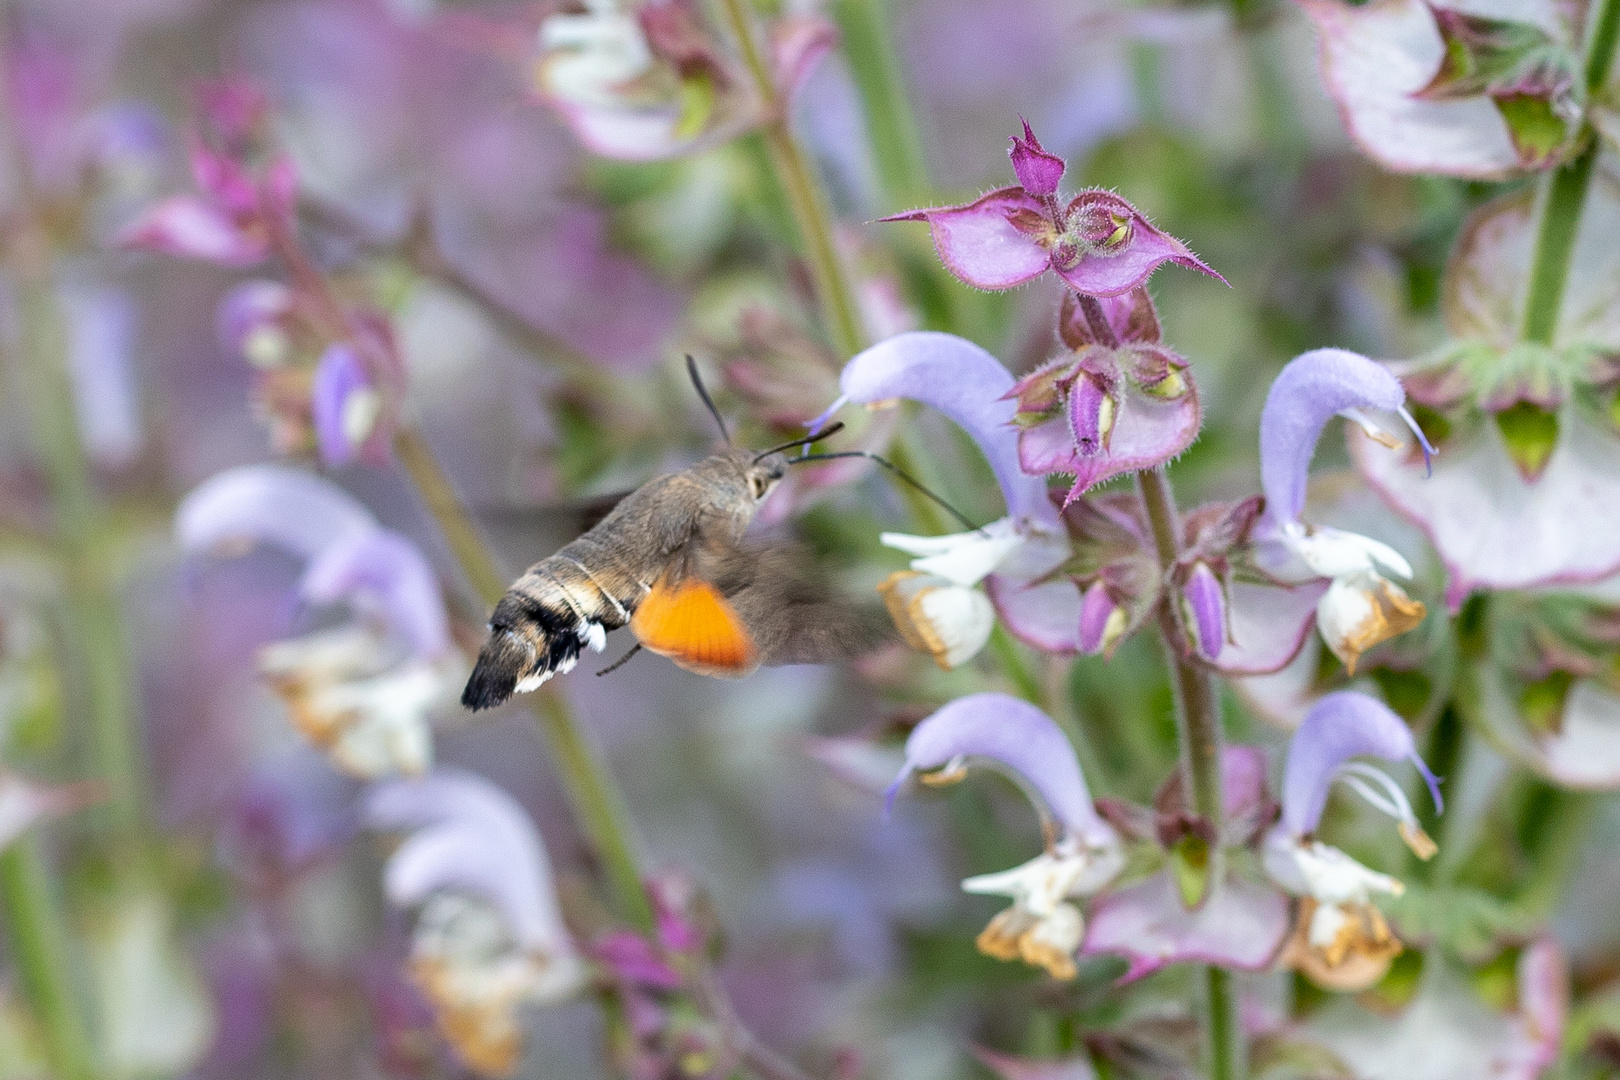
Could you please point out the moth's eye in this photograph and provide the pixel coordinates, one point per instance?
(759, 486)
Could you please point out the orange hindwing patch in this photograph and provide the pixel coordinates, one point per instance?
(693, 625)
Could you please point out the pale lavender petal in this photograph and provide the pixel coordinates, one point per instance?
(1310, 391)
(247, 307)
(1375, 57)
(1207, 600)
(1021, 738)
(1494, 530)
(387, 569)
(272, 504)
(1239, 926)
(1046, 616)
(980, 245)
(1096, 607)
(1145, 249)
(469, 835)
(1038, 172)
(1583, 753)
(1148, 431)
(101, 345)
(1269, 625)
(965, 383)
(1340, 726)
(338, 375)
(1013, 1068)
(191, 228)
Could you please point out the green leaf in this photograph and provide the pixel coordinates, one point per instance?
(1189, 866)
(1542, 702)
(1534, 124)
(1531, 434)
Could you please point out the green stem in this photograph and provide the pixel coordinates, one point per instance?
(1565, 195)
(1561, 205)
(596, 799)
(1198, 727)
(1223, 1039)
(1198, 703)
(94, 623)
(39, 952)
(897, 148)
(803, 190)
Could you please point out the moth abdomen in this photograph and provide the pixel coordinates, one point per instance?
(538, 630)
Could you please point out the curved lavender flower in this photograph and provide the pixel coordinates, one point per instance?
(489, 936)
(1341, 940)
(935, 604)
(1361, 607)
(1083, 852)
(1099, 244)
(362, 691)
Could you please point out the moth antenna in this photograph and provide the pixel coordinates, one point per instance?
(806, 441)
(892, 467)
(619, 663)
(703, 392)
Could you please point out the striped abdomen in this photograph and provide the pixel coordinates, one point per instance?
(551, 614)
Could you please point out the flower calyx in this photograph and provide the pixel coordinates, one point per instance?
(1118, 401)
(1529, 76)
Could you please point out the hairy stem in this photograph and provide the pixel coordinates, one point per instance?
(803, 189)
(596, 799)
(1198, 703)
(1198, 727)
(39, 952)
(1564, 195)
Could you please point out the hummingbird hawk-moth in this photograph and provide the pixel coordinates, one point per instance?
(671, 562)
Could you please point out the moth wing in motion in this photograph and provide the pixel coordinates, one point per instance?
(689, 621)
(792, 612)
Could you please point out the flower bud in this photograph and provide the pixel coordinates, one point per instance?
(1204, 607)
(1102, 621)
(1038, 171)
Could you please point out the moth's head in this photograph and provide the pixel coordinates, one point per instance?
(763, 473)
